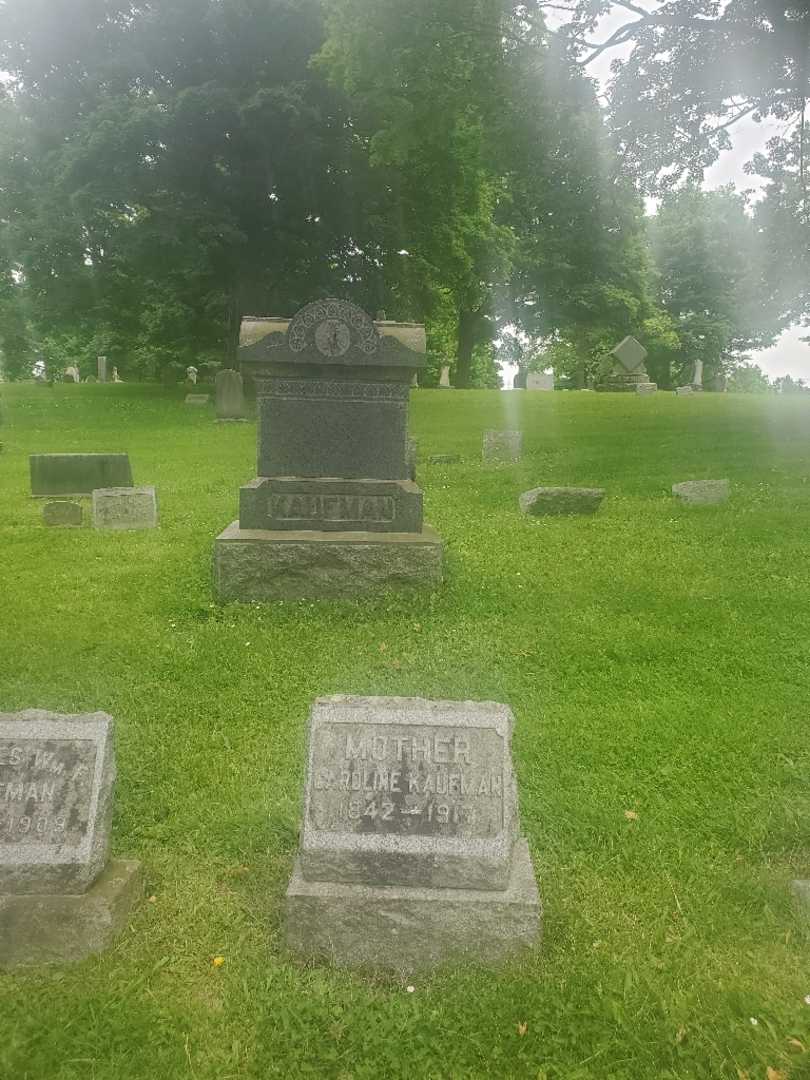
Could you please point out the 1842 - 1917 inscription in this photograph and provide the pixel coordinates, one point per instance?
(404, 791)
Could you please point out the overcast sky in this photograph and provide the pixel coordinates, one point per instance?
(790, 355)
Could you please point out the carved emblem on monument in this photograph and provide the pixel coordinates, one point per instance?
(332, 327)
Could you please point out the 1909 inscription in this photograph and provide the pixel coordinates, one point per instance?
(408, 780)
(46, 790)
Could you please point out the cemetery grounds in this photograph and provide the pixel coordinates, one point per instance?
(656, 657)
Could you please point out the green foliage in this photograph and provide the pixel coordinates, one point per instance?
(749, 379)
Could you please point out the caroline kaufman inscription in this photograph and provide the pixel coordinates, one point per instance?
(414, 781)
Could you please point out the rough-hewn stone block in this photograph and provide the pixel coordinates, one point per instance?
(544, 501)
(702, 492)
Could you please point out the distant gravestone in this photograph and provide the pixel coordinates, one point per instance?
(102, 368)
(60, 899)
(444, 459)
(197, 399)
(683, 391)
(697, 374)
(125, 508)
(91, 379)
(411, 854)
(72, 375)
(503, 447)
(540, 380)
(191, 374)
(626, 369)
(78, 474)
(549, 501)
(62, 512)
(444, 378)
(702, 492)
(229, 395)
(801, 891)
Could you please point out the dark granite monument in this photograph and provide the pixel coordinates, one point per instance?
(332, 511)
(78, 474)
(411, 854)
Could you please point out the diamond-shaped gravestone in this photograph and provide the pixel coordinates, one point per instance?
(630, 353)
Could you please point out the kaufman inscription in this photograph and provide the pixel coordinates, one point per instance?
(408, 779)
(349, 508)
(334, 390)
(46, 790)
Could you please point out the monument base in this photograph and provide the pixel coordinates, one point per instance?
(627, 384)
(60, 929)
(401, 929)
(255, 564)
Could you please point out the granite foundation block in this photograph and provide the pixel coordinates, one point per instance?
(125, 508)
(62, 513)
(330, 505)
(551, 501)
(66, 928)
(403, 929)
(78, 474)
(256, 564)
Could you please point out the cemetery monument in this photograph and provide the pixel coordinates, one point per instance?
(61, 897)
(626, 372)
(410, 849)
(332, 511)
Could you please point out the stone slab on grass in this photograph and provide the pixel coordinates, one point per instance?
(702, 492)
(408, 929)
(62, 512)
(59, 929)
(257, 564)
(125, 508)
(547, 501)
(56, 790)
(502, 447)
(407, 791)
(444, 459)
(684, 391)
(78, 474)
(196, 399)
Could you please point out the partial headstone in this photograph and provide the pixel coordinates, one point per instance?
(116, 378)
(91, 379)
(125, 508)
(197, 399)
(719, 383)
(191, 374)
(697, 375)
(702, 492)
(414, 382)
(333, 511)
(444, 459)
(102, 368)
(62, 512)
(626, 371)
(548, 501)
(683, 391)
(800, 888)
(78, 474)
(502, 446)
(540, 380)
(444, 378)
(229, 395)
(72, 375)
(411, 854)
(60, 898)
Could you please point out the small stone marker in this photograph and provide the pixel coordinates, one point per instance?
(444, 378)
(683, 391)
(702, 492)
(229, 395)
(62, 512)
(60, 900)
(125, 508)
(78, 474)
(411, 854)
(546, 501)
(627, 373)
(102, 368)
(540, 380)
(801, 890)
(502, 446)
(444, 459)
(197, 399)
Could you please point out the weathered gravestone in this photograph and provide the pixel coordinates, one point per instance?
(683, 391)
(196, 399)
(550, 501)
(102, 368)
(60, 898)
(78, 474)
(125, 508)
(444, 459)
(504, 447)
(229, 395)
(702, 492)
(410, 852)
(333, 511)
(444, 378)
(62, 512)
(540, 380)
(626, 371)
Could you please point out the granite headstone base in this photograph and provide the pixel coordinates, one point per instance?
(402, 929)
(258, 564)
(58, 928)
(330, 505)
(628, 383)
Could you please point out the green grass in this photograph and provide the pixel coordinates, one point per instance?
(655, 656)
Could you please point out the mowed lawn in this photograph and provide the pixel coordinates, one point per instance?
(656, 658)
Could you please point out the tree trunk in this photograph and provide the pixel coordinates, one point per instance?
(467, 327)
(233, 323)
